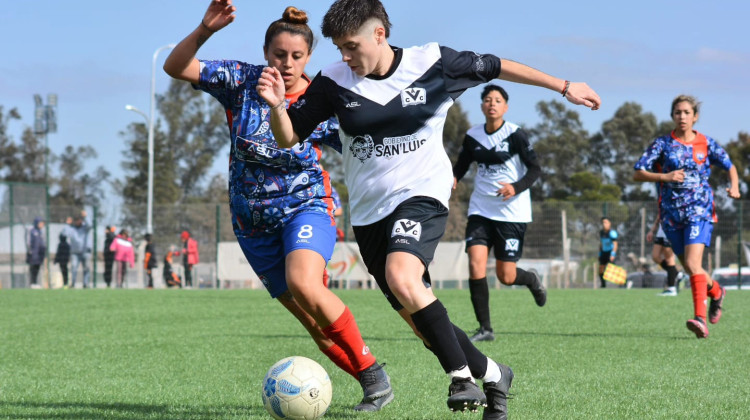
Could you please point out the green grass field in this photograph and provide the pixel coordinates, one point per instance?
(193, 354)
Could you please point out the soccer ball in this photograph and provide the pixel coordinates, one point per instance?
(297, 388)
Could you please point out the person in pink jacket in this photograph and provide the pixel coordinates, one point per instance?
(122, 246)
(189, 256)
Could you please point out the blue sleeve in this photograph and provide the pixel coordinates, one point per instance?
(223, 79)
(717, 155)
(613, 235)
(327, 133)
(650, 156)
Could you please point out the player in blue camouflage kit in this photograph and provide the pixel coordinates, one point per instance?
(280, 199)
(681, 163)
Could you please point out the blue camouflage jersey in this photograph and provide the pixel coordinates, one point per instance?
(690, 201)
(267, 184)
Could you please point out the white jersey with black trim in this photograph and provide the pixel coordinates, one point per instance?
(391, 127)
(498, 161)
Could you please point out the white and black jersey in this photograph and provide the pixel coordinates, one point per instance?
(504, 156)
(391, 126)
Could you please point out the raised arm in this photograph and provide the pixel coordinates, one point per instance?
(181, 62)
(271, 89)
(577, 93)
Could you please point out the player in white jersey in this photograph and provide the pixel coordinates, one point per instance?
(391, 104)
(500, 206)
(663, 255)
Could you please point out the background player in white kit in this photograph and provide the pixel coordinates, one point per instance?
(391, 104)
(500, 206)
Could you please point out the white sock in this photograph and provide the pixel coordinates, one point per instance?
(493, 373)
(464, 372)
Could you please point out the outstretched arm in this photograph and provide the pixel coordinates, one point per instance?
(271, 89)
(646, 176)
(577, 93)
(181, 62)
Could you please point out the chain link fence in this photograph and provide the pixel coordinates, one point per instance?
(555, 222)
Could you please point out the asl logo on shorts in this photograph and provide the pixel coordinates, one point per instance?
(512, 245)
(413, 96)
(695, 231)
(406, 227)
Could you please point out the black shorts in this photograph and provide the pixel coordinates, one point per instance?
(604, 257)
(505, 237)
(416, 227)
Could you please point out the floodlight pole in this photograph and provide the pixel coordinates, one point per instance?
(150, 198)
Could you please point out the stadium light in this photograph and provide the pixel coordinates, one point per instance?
(150, 197)
(138, 111)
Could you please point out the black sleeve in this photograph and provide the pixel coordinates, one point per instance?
(466, 69)
(313, 107)
(528, 157)
(464, 159)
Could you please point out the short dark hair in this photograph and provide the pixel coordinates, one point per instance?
(293, 21)
(604, 218)
(489, 88)
(346, 17)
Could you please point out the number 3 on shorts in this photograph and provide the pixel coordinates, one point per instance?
(305, 232)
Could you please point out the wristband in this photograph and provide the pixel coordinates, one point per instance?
(279, 105)
(565, 89)
(203, 24)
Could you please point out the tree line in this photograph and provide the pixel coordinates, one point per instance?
(191, 134)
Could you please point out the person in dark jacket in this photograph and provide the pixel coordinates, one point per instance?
(62, 257)
(149, 260)
(36, 250)
(109, 256)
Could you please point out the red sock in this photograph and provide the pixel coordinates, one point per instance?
(698, 287)
(345, 333)
(339, 357)
(715, 291)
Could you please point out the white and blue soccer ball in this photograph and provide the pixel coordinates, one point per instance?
(297, 388)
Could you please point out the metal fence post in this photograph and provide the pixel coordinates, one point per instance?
(218, 239)
(739, 249)
(94, 248)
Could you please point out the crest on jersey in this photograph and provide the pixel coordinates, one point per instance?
(413, 96)
(503, 147)
(406, 227)
(512, 245)
(361, 147)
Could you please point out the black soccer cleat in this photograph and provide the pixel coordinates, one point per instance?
(375, 383)
(497, 395)
(464, 394)
(714, 309)
(537, 288)
(374, 405)
(482, 334)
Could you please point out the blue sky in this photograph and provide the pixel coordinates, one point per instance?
(97, 55)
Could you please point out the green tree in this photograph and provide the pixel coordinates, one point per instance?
(74, 187)
(622, 140)
(563, 148)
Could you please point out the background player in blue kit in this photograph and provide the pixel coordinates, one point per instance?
(607, 247)
(500, 206)
(280, 199)
(392, 104)
(684, 160)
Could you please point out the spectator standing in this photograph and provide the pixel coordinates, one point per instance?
(77, 232)
(189, 256)
(62, 257)
(122, 246)
(149, 261)
(36, 249)
(607, 247)
(109, 256)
